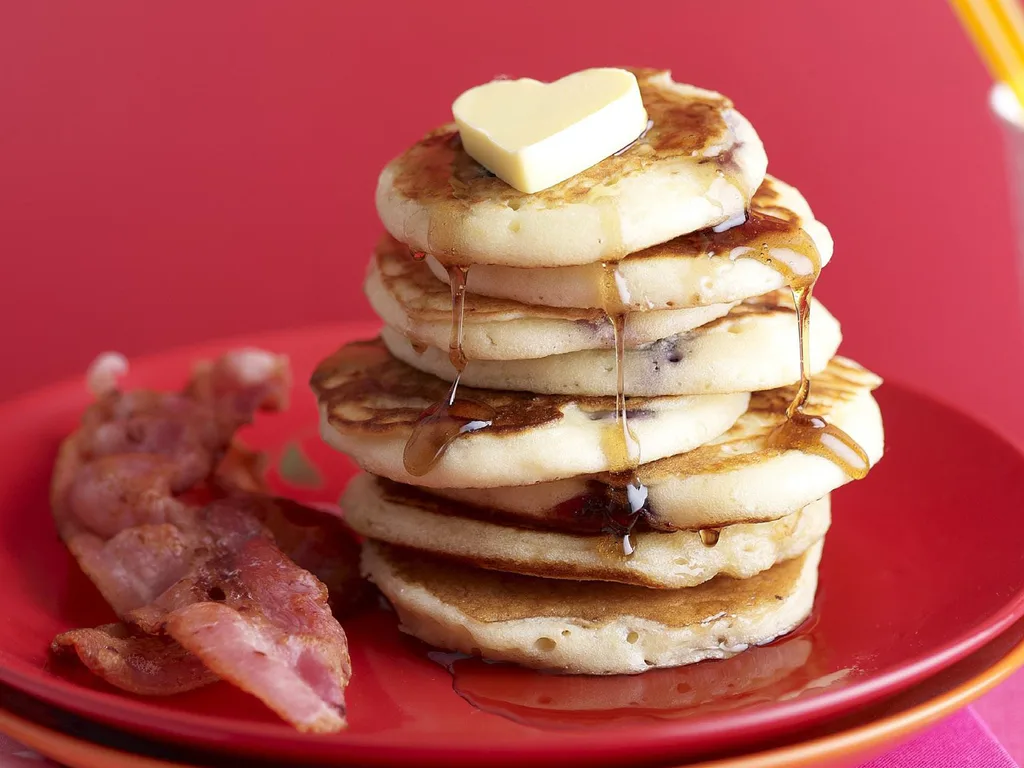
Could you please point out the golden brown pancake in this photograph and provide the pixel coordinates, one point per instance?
(399, 515)
(370, 402)
(588, 627)
(753, 347)
(697, 166)
(696, 269)
(736, 478)
(406, 295)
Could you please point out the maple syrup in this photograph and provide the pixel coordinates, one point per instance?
(457, 276)
(815, 436)
(443, 422)
(641, 137)
(785, 247)
(709, 536)
(624, 501)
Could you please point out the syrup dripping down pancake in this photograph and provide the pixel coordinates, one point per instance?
(754, 347)
(406, 295)
(370, 402)
(736, 478)
(693, 270)
(400, 515)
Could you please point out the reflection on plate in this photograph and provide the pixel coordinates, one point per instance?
(777, 672)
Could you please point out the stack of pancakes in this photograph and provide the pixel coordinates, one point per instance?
(587, 440)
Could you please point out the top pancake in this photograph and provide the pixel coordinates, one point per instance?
(698, 269)
(697, 166)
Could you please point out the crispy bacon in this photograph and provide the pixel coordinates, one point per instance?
(262, 623)
(150, 665)
(241, 469)
(315, 540)
(204, 590)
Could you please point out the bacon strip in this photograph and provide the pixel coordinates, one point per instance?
(205, 591)
(261, 622)
(144, 664)
(241, 469)
(317, 541)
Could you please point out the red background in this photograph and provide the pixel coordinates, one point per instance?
(171, 172)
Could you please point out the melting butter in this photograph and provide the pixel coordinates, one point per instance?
(532, 135)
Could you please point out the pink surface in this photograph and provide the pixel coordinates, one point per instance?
(962, 741)
(1003, 712)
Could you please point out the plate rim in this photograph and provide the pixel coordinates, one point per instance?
(856, 741)
(881, 732)
(145, 718)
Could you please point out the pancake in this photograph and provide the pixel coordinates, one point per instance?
(698, 269)
(406, 296)
(736, 478)
(752, 348)
(588, 627)
(370, 402)
(697, 166)
(399, 515)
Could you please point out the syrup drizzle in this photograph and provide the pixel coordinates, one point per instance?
(625, 494)
(785, 247)
(641, 137)
(457, 277)
(709, 536)
(443, 422)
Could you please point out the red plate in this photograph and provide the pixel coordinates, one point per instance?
(80, 743)
(923, 566)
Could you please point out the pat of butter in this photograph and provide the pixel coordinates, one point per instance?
(533, 135)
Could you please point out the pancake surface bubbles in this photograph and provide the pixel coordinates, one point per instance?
(587, 627)
(692, 270)
(370, 402)
(697, 166)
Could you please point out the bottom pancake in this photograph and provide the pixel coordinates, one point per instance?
(586, 627)
(408, 517)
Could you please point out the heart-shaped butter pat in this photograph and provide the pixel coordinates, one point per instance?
(533, 135)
